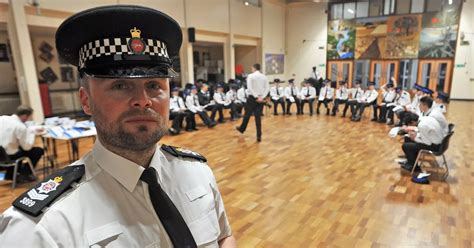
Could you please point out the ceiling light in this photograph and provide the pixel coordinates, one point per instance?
(246, 3)
(450, 2)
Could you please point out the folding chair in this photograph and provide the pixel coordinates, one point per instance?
(434, 154)
(6, 162)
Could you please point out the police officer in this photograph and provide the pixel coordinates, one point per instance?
(388, 97)
(178, 112)
(292, 95)
(129, 191)
(440, 101)
(342, 94)
(205, 99)
(356, 95)
(369, 98)
(325, 96)
(277, 94)
(221, 100)
(307, 95)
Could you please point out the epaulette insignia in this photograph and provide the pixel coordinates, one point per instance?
(181, 152)
(33, 201)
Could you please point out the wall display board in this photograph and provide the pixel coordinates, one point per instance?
(341, 39)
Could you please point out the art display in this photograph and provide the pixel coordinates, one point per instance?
(48, 75)
(274, 64)
(371, 38)
(403, 36)
(341, 39)
(439, 33)
(46, 52)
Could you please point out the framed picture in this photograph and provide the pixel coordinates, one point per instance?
(45, 47)
(48, 75)
(46, 57)
(274, 64)
(67, 74)
(4, 53)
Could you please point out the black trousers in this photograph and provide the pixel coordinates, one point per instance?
(253, 108)
(34, 154)
(359, 110)
(238, 107)
(289, 103)
(390, 113)
(232, 111)
(325, 102)
(411, 150)
(178, 118)
(205, 118)
(352, 104)
(382, 116)
(280, 101)
(214, 109)
(402, 118)
(335, 107)
(310, 102)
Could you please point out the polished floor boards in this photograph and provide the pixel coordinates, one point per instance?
(325, 181)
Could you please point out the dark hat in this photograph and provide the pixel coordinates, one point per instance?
(120, 41)
(342, 82)
(398, 88)
(358, 82)
(426, 90)
(390, 85)
(417, 87)
(443, 96)
(371, 83)
(220, 86)
(175, 89)
(193, 87)
(292, 80)
(276, 80)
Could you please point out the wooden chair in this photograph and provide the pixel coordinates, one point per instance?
(434, 154)
(6, 162)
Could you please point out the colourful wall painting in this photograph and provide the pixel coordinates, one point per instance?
(341, 39)
(439, 34)
(371, 38)
(403, 36)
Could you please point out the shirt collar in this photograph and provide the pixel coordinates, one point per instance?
(123, 170)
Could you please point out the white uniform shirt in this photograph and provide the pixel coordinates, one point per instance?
(308, 93)
(257, 84)
(14, 133)
(220, 98)
(388, 96)
(370, 96)
(277, 92)
(404, 99)
(415, 105)
(231, 95)
(292, 92)
(326, 92)
(429, 131)
(440, 107)
(242, 95)
(357, 94)
(342, 93)
(177, 104)
(192, 103)
(440, 118)
(111, 206)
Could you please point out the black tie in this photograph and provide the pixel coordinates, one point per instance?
(307, 91)
(357, 92)
(278, 92)
(170, 217)
(292, 92)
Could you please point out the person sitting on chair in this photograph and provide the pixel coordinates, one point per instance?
(388, 97)
(325, 96)
(178, 112)
(277, 93)
(17, 140)
(192, 103)
(356, 96)
(342, 94)
(205, 100)
(238, 104)
(292, 96)
(224, 103)
(440, 101)
(307, 95)
(401, 104)
(369, 98)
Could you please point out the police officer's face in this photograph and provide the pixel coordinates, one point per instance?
(128, 113)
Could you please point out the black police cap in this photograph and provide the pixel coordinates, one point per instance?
(120, 41)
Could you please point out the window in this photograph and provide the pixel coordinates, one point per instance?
(417, 6)
(349, 10)
(389, 7)
(403, 6)
(336, 11)
(434, 5)
(375, 7)
(362, 8)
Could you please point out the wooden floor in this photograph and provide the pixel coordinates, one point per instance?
(325, 181)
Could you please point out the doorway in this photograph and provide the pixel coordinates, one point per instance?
(340, 71)
(436, 74)
(245, 57)
(382, 70)
(208, 61)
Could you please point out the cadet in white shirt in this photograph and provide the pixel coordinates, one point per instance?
(401, 103)
(307, 95)
(440, 101)
(292, 96)
(369, 98)
(242, 94)
(209, 104)
(221, 99)
(192, 103)
(17, 140)
(179, 112)
(277, 94)
(388, 98)
(356, 96)
(325, 96)
(129, 191)
(342, 94)
(428, 109)
(413, 107)
(232, 95)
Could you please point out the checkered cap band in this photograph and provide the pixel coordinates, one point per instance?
(113, 46)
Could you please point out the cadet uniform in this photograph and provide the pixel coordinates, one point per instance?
(221, 99)
(369, 98)
(388, 97)
(342, 94)
(192, 103)
(107, 200)
(440, 101)
(325, 96)
(307, 95)
(238, 104)
(205, 100)
(292, 96)
(277, 94)
(401, 103)
(178, 112)
(356, 96)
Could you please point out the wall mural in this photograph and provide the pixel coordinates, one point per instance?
(403, 36)
(341, 39)
(371, 38)
(439, 33)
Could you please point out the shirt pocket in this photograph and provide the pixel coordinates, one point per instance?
(105, 235)
(205, 230)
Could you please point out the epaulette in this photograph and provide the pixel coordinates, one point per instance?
(184, 153)
(33, 201)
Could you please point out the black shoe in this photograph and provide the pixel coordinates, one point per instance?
(327, 112)
(212, 124)
(275, 113)
(221, 121)
(382, 120)
(310, 114)
(288, 113)
(194, 129)
(374, 119)
(343, 115)
(238, 129)
(317, 112)
(189, 129)
(259, 139)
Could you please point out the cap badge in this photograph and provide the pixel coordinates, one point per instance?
(136, 44)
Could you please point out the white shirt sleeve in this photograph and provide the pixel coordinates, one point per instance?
(25, 136)
(190, 105)
(373, 96)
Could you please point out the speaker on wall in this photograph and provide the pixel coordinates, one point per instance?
(191, 34)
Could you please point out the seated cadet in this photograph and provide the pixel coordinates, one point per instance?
(292, 96)
(242, 95)
(369, 98)
(413, 107)
(342, 94)
(325, 96)
(388, 97)
(428, 109)
(17, 140)
(440, 101)
(238, 104)
(221, 99)
(206, 100)
(192, 103)
(178, 112)
(401, 103)
(307, 95)
(356, 96)
(277, 94)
